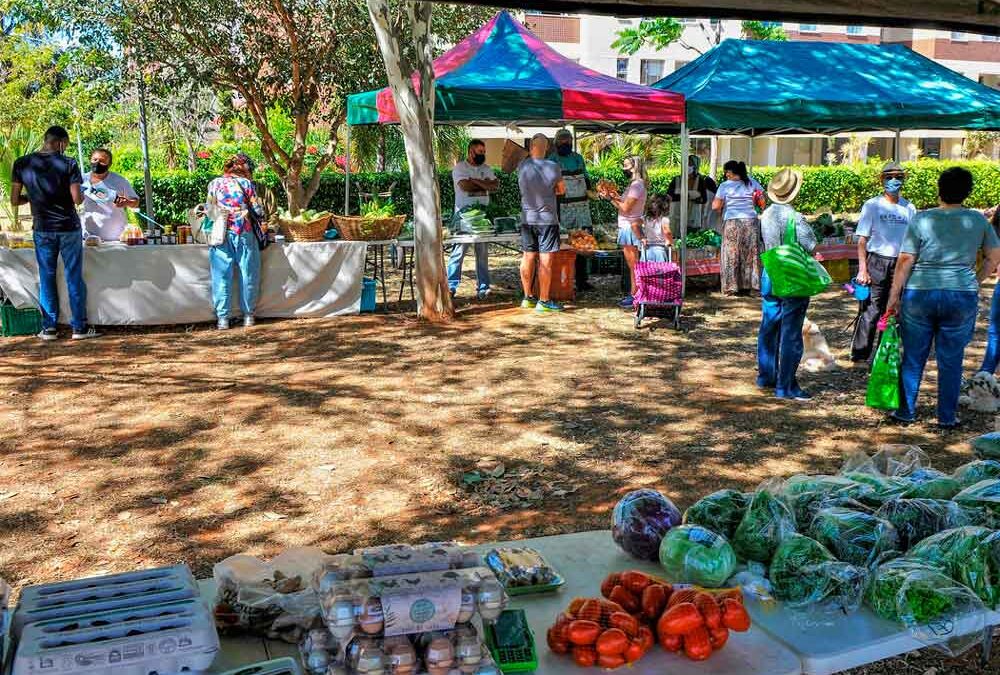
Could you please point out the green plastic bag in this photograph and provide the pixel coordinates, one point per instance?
(793, 272)
(883, 383)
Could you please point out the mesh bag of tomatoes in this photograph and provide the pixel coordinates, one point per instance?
(599, 632)
(698, 622)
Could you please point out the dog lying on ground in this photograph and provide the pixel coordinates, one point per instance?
(981, 393)
(816, 356)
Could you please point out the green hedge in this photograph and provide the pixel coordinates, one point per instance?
(836, 188)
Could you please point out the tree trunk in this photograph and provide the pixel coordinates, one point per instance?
(380, 151)
(192, 159)
(416, 116)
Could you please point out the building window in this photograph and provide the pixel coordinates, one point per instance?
(808, 28)
(622, 70)
(855, 30)
(957, 36)
(650, 71)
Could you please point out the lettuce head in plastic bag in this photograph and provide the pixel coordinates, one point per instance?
(767, 521)
(854, 537)
(720, 511)
(970, 555)
(808, 494)
(917, 519)
(696, 555)
(985, 494)
(804, 573)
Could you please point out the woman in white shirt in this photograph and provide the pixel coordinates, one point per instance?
(740, 256)
(631, 209)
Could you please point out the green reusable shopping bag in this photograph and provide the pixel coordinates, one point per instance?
(883, 383)
(793, 272)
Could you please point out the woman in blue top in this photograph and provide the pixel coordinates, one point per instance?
(235, 192)
(739, 265)
(936, 292)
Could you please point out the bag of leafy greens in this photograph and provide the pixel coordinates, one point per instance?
(804, 573)
(883, 488)
(767, 521)
(970, 555)
(927, 483)
(808, 494)
(985, 494)
(938, 611)
(888, 460)
(917, 519)
(973, 472)
(695, 555)
(854, 537)
(720, 511)
(987, 446)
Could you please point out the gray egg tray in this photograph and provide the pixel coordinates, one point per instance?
(167, 638)
(283, 666)
(98, 594)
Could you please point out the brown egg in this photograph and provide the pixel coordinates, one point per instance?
(440, 655)
(372, 619)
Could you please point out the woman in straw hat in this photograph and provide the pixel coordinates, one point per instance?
(779, 343)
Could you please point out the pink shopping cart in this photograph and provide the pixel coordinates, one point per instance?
(658, 286)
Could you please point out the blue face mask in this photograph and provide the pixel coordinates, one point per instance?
(893, 186)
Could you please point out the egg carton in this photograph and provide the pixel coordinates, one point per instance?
(394, 559)
(97, 594)
(171, 637)
(408, 603)
(282, 666)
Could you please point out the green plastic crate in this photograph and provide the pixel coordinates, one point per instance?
(522, 659)
(14, 322)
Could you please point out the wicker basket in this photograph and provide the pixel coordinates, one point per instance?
(356, 228)
(311, 231)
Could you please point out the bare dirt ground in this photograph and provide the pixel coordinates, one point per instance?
(153, 446)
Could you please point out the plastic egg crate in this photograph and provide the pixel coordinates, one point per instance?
(97, 594)
(382, 561)
(283, 666)
(167, 638)
(455, 652)
(409, 603)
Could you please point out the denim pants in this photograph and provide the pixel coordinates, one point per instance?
(779, 342)
(482, 266)
(992, 356)
(48, 247)
(239, 250)
(948, 319)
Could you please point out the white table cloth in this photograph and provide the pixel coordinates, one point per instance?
(155, 285)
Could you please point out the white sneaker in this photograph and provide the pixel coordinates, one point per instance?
(48, 335)
(90, 334)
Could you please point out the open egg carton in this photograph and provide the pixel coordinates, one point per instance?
(459, 651)
(125, 591)
(171, 637)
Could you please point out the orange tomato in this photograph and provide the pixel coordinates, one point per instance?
(583, 633)
(612, 641)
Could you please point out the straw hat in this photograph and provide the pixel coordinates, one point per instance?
(785, 185)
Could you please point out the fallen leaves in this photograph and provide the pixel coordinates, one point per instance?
(493, 488)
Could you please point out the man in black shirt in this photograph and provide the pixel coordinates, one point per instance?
(52, 183)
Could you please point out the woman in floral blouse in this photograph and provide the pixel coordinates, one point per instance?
(235, 192)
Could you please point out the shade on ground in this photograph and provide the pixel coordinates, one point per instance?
(504, 73)
(754, 86)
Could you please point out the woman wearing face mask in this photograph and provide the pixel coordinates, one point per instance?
(631, 210)
(883, 224)
(106, 196)
(701, 189)
(739, 266)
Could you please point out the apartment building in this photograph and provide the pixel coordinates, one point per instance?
(587, 39)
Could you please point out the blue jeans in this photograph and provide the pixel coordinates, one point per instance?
(239, 250)
(948, 319)
(48, 247)
(482, 266)
(992, 356)
(779, 342)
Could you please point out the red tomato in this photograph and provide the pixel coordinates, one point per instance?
(555, 644)
(583, 633)
(612, 641)
(654, 601)
(633, 652)
(635, 582)
(610, 660)
(735, 616)
(626, 622)
(697, 645)
(584, 656)
(621, 595)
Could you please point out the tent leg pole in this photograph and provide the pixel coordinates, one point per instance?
(347, 174)
(685, 153)
(898, 147)
(750, 156)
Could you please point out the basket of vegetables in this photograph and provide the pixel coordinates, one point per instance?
(377, 222)
(309, 225)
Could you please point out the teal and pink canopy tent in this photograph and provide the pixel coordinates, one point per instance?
(504, 74)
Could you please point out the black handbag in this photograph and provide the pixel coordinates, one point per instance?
(256, 225)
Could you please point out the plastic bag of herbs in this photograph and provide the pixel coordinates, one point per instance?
(806, 495)
(806, 575)
(973, 472)
(970, 555)
(984, 494)
(855, 537)
(937, 610)
(767, 521)
(888, 460)
(719, 512)
(927, 483)
(917, 519)
(987, 446)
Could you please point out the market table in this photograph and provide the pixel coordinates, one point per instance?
(824, 253)
(584, 559)
(155, 285)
